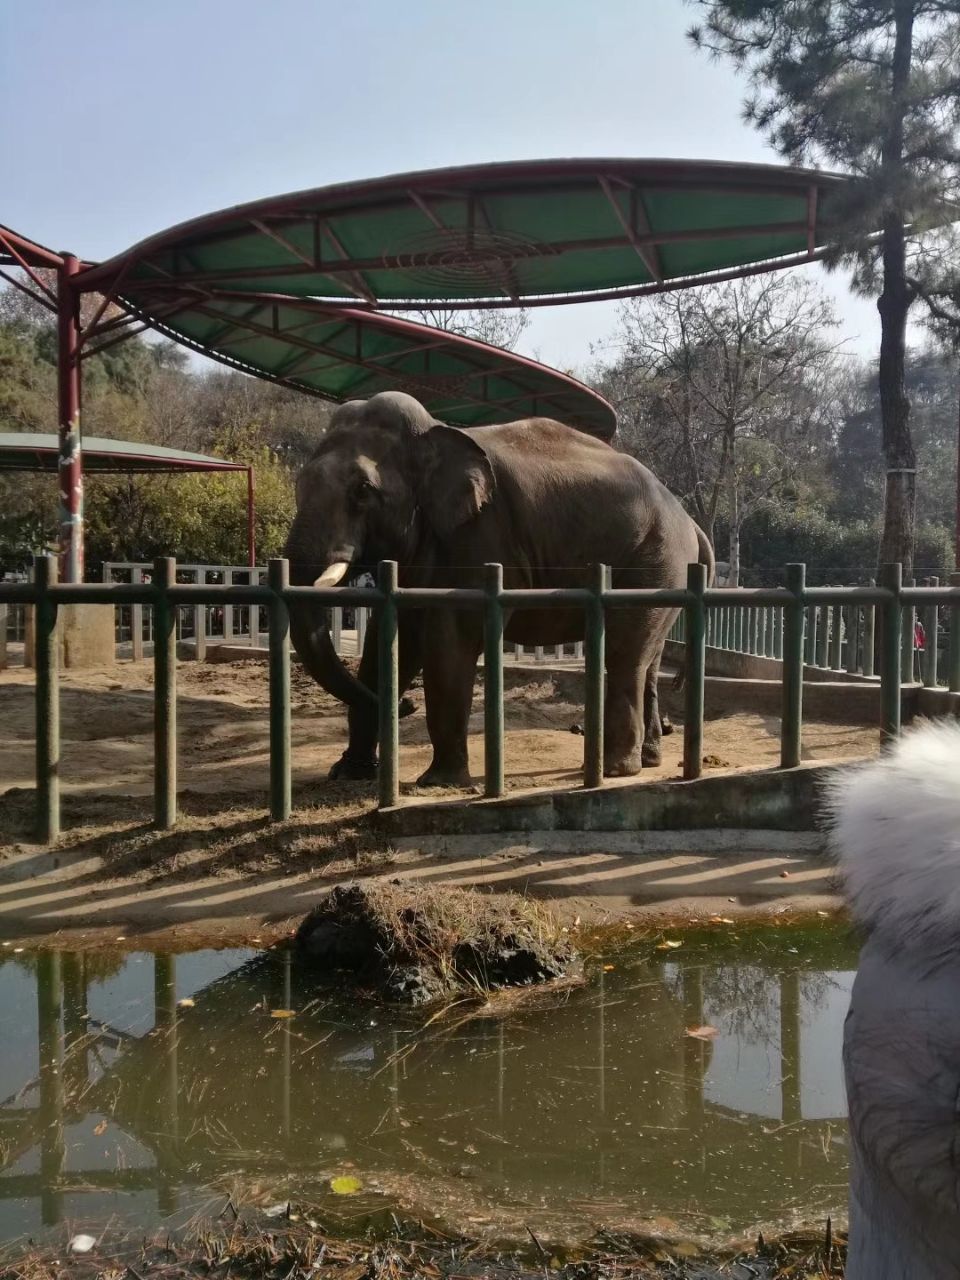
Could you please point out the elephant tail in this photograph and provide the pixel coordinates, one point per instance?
(706, 555)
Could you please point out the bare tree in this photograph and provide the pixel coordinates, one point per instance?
(716, 383)
(497, 327)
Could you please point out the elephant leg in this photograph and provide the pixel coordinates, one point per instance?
(655, 727)
(451, 648)
(359, 760)
(623, 718)
(632, 725)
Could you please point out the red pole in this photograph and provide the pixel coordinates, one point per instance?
(251, 530)
(70, 466)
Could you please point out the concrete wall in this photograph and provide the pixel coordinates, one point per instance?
(842, 702)
(745, 666)
(86, 633)
(769, 799)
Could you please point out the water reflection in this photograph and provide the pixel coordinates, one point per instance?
(600, 1109)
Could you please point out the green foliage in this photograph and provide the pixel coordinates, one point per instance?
(197, 517)
(834, 553)
(146, 391)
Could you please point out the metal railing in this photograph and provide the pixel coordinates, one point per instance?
(837, 637)
(892, 600)
(243, 624)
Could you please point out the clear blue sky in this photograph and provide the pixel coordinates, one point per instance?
(122, 118)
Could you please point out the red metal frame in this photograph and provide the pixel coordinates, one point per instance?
(70, 470)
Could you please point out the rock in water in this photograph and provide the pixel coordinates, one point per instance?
(418, 943)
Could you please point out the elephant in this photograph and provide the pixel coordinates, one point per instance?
(896, 829)
(389, 482)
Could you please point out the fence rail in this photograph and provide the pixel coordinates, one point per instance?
(234, 624)
(893, 601)
(837, 637)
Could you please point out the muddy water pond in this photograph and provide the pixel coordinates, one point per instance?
(139, 1088)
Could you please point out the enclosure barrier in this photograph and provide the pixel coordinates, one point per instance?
(837, 638)
(165, 595)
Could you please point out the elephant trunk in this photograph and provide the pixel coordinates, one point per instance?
(310, 633)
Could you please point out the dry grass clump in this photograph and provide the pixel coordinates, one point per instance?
(418, 942)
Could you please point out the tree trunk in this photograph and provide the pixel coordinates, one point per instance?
(899, 506)
(733, 578)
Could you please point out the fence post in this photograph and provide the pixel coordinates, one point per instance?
(46, 662)
(908, 618)
(278, 579)
(823, 635)
(810, 643)
(200, 622)
(254, 627)
(836, 637)
(851, 626)
(868, 665)
(164, 694)
(791, 727)
(778, 633)
(595, 668)
(136, 619)
(891, 622)
(493, 681)
(953, 653)
(695, 657)
(227, 609)
(388, 688)
(931, 627)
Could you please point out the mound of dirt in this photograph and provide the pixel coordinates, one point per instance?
(415, 943)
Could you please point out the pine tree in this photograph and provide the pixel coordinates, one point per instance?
(871, 87)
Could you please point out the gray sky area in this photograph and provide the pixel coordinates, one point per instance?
(123, 118)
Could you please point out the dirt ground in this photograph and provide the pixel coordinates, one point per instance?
(226, 862)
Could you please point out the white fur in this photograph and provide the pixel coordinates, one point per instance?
(896, 831)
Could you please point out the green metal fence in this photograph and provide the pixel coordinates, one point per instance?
(700, 605)
(837, 637)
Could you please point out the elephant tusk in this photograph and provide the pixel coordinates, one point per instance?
(330, 577)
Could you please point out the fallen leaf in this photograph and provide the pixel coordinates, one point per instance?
(101, 1128)
(608, 967)
(669, 944)
(186, 1003)
(701, 1033)
(81, 1244)
(825, 914)
(725, 920)
(345, 1186)
(277, 1210)
(281, 1013)
(784, 875)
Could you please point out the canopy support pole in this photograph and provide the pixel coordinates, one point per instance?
(70, 465)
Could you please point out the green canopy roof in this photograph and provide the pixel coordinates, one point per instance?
(342, 354)
(535, 232)
(26, 451)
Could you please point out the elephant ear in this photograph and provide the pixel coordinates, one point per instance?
(456, 480)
